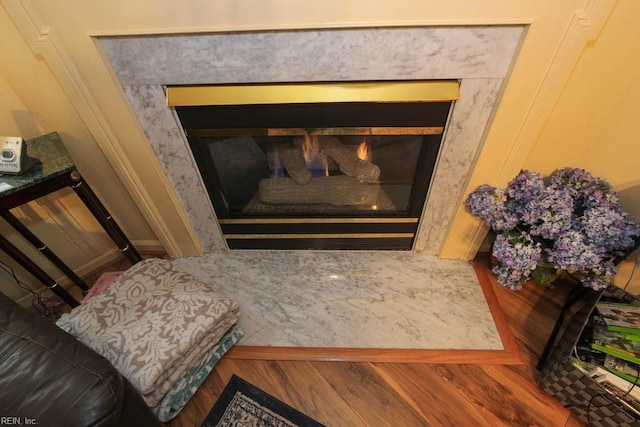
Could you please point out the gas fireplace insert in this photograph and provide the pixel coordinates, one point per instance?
(316, 166)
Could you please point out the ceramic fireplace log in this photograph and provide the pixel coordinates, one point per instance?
(348, 160)
(333, 190)
(342, 157)
(293, 161)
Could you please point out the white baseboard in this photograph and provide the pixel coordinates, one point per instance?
(148, 246)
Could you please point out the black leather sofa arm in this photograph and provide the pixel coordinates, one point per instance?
(48, 377)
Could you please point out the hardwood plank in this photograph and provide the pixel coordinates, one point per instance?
(298, 384)
(422, 386)
(369, 395)
(513, 391)
(502, 357)
(483, 396)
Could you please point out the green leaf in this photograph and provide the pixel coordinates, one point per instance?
(544, 276)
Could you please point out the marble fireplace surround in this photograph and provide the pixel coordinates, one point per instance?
(479, 56)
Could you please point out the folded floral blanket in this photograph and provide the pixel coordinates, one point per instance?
(154, 323)
(183, 390)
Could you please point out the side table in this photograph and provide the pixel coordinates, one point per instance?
(573, 388)
(55, 172)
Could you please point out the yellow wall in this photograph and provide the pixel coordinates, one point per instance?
(559, 37)
(594, 124)
(16, 118)
(32, 103)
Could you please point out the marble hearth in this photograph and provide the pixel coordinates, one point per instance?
(480, 57)
(355, 300)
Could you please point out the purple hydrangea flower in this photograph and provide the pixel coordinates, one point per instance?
(588, 191)
(572, 252)
(609, 230)
(571, 178)
(488, 203)
(551, 214)
(569, 221)
(517, 256)
(598, 194)
(600, 277)
(524, 188)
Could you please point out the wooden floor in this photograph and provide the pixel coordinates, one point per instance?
(345, 394)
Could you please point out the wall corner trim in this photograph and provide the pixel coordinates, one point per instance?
(46, 45)
(583, 27)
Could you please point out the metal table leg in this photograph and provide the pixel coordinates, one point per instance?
(107, 222)
(574, 295)
(7, 247)
(39, 245)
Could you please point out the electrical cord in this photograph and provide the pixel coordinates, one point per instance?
(590, 403)
(612, 397)
(612, 402)
(635, 268)
(44, 305)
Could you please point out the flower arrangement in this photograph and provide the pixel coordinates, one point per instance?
(567, 223)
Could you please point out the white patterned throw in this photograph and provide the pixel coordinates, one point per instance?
(154, 324)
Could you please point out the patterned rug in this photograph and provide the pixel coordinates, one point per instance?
(244, 405)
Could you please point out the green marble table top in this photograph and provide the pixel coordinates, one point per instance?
(55, 159)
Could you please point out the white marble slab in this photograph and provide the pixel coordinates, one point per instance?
(399, 53)
(399, 300)
(170, 147)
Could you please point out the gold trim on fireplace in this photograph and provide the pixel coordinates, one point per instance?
(321, 236)
(318, 220)
(296, 93)
(201, 133)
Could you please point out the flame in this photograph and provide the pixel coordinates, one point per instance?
(315, 161)
(307, 148)
(363, 151)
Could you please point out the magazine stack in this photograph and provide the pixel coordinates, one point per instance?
(609, 351)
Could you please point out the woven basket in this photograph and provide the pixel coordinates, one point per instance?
(576, 390)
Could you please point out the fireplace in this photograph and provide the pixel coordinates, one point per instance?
(316, 165)
(478, 57)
